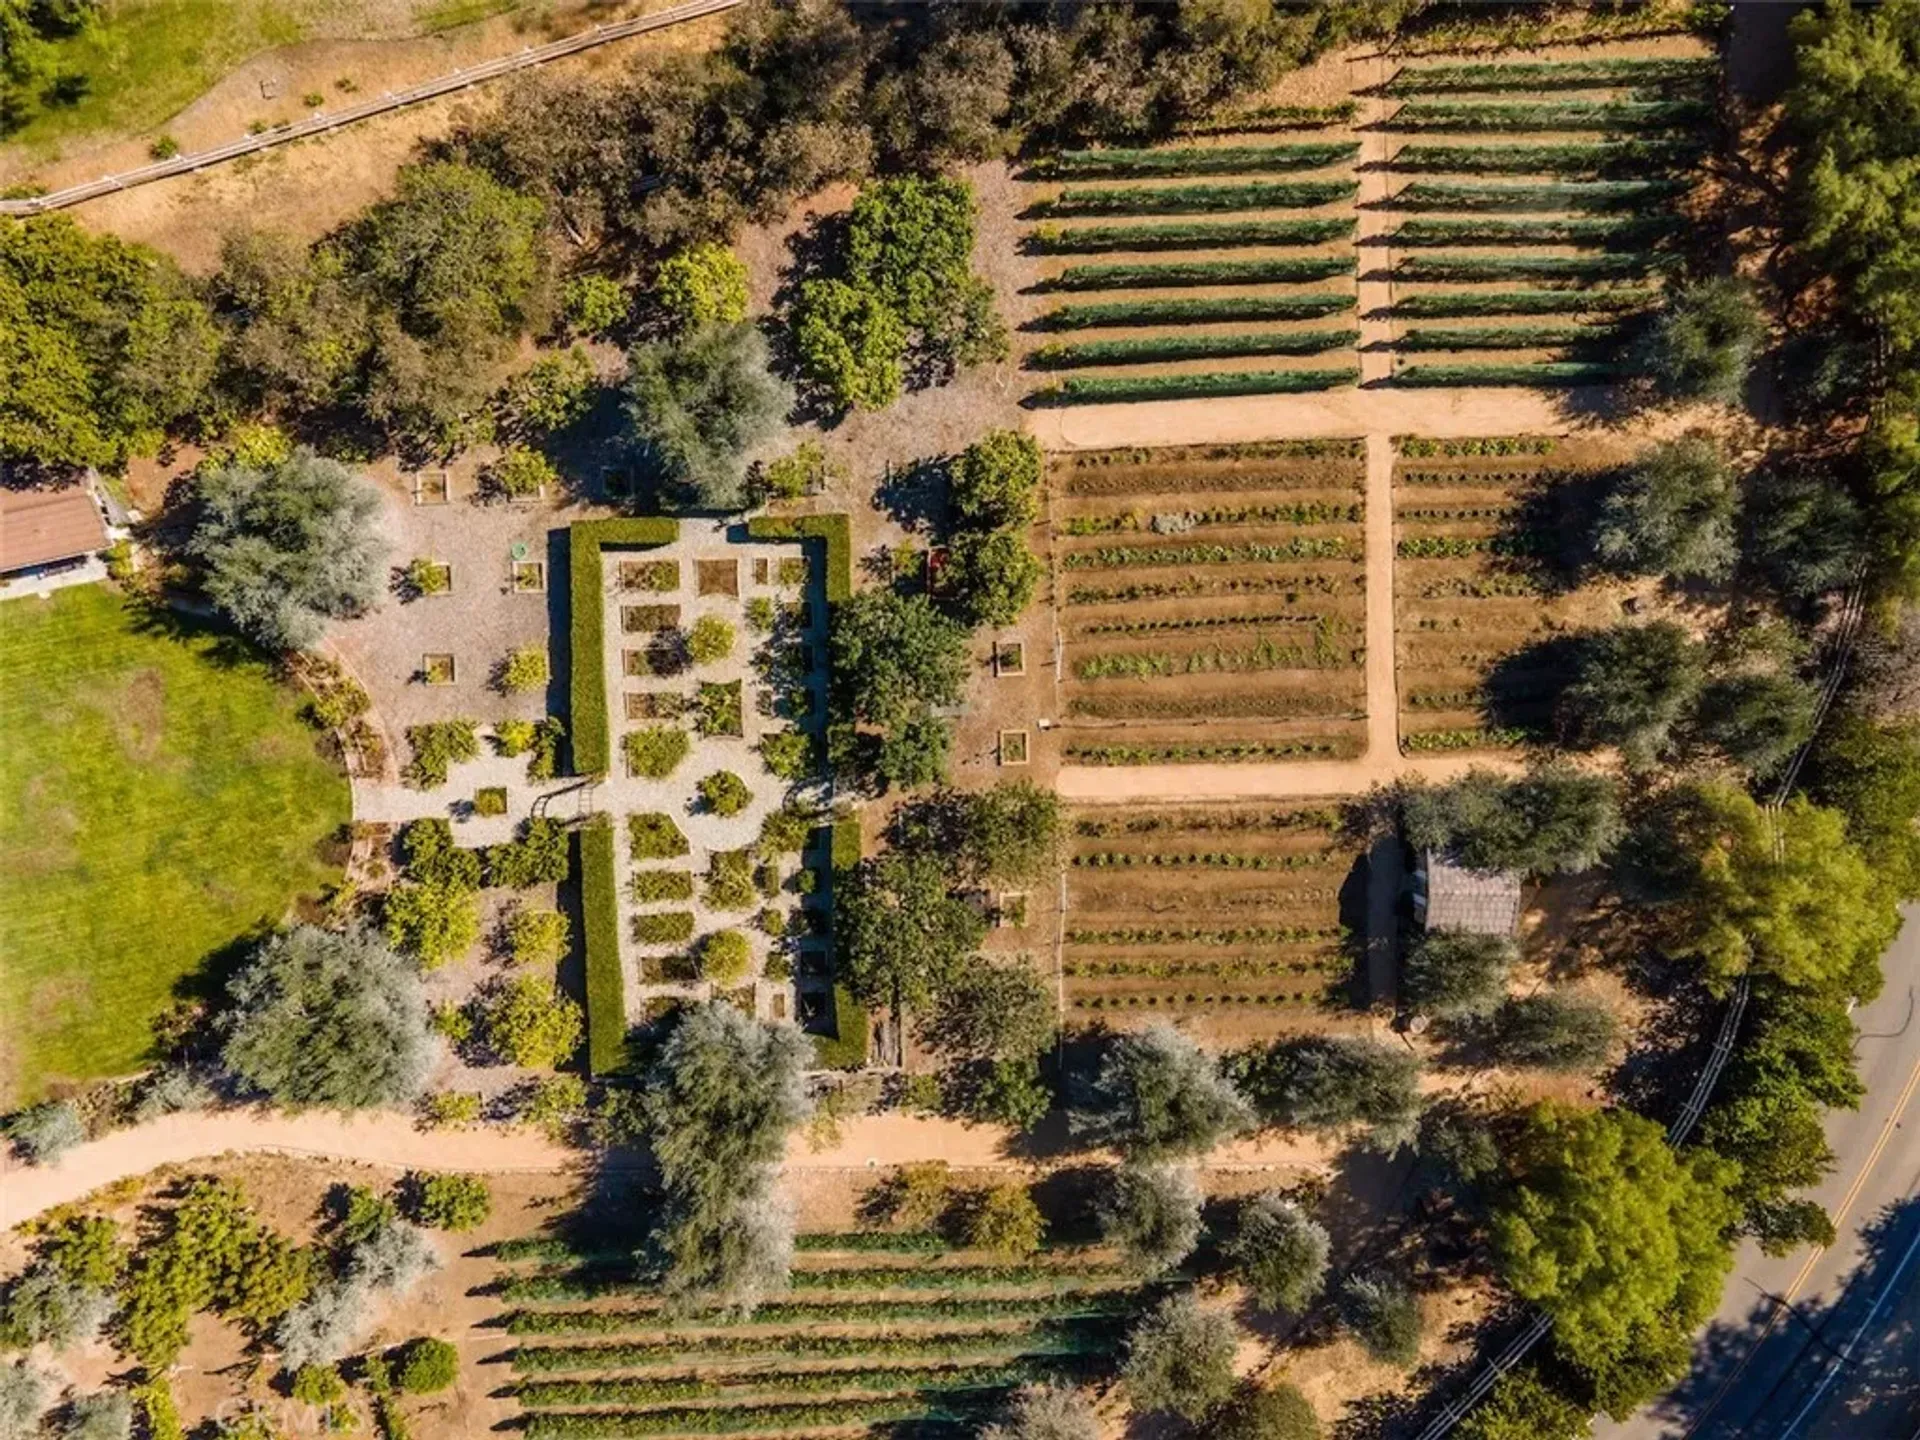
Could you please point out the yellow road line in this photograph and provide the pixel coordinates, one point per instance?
(1839, 1215)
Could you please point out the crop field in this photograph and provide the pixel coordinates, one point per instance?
(1535, 210)
(1212, 602)
(877, 1330)
(1221, 264)
(1481, 590)
(1236, 915)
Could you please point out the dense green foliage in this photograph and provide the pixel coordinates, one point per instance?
(1633, 686)
(1279, 1252)
(1456, 976)
(1671, 513)
(1180, 1359)
(903, 932)
(697, 403)
(1703, 341)
(1152, 1214)
(1158, 1096)
(1335, 1082)
(1553, 820)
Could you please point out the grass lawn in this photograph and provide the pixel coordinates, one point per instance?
(159, 799)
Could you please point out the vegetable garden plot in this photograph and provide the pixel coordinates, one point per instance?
(1242, 913)
(1556, 194)
(1211, 602)
(1270, 217)
(1481, 598)
(876, 1329)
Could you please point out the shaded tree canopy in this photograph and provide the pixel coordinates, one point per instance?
(1157, 1096)
(103, 345)
(993, 1011)
(1553, 820)
(1152, 1213)
(1327, 1082)
(895, 656)
(287, 547)
(904, 934)
(1457, 976)
(1180, 1359)
(330, 1020)
(1870, 773)
(1702, 343)
(1671, 513)
(697, 404)
(1610, 1232)
(1634, 685)
(1805, 531)
(1280, 1252)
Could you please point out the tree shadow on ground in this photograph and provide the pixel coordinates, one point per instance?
(1522, 689)
(915, 496)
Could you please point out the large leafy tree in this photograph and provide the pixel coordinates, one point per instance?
(1330, 1082)
(1671, 513)
(1702, 343)
(904, 934)
(1870, 773)
(896, 656)
(909, 243)
(1457, 976)
(1621, 1240)
(1552, 820)
(1158, 1096)
(850, 344)
(697, 404)
(103, 345)
(287, 547)
(328, 1020)
(1180, 1359)
(298, 322)
(1634, 685)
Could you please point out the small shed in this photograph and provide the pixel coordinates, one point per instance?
(1449, 896)
(43, 529)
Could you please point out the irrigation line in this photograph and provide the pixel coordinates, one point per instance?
(323, 122)
(1852, 615)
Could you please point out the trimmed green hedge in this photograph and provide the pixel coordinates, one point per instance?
(1198, 199)
(1461, 303)
(1610, 232)
(1202, 272)
(1194, 312)
(1504, 337)
(1551, 374)
(1547, 75)
(1617, 157)
(1189, 347)
(600, 911)
(1529, 267)
(587, 724)
(1233, 234)
(1099, 390)
(835, 531)
(846, 1048)
(1201, 159)
(1585, 195)
(1447, 115)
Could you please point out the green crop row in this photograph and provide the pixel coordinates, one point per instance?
(1206, 822)
(1266, 655)
(887, 1381)
(1115, 557)
(1130, 456)
(1480, 447)
(1226, 235)
(1241, 967)
(1546, 373)
(1438, 514)
(1201, 159)
(1309, 512)
(1294, 270)
(1198, 754)
(1194, 312)
(1248, 935)
(1465, 303)
(1198, 199)
(1447, 115)
(734, 1420)
(1167, 1000)
(1200, 860)
(1605, 157)
(1568, 195)
(1481, 587)
(590, 1285)
(827, 1312)
(761, 1349)
(1505, 337)
(552, 1249)
(1482, 479)
(1083, 390)
(1163, 349)
(1243, 705)
(1476, 738)
(1548, 75)
(1528, 267)
(1185, 624)
(587, 712)
(1293, 587)
(1615, 232)
(1274, 117)
(1460, 547)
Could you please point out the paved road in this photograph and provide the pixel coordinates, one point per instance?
(1841, 1361)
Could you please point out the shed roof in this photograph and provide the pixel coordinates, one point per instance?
(39, 527)
(1480, 902)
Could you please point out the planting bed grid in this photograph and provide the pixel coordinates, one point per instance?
(1239, 915)
(1481, 591)
(1221, 264)
(1535, 210)
(1211, 602)
(876, 1330)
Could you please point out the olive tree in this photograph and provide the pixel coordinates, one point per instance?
(1456, 976)
(696, 405)
(1158, 1095)
(1702, 343)
(1179, 1358)
(1671, 513)
(1280, 1252)
(1152, 1214)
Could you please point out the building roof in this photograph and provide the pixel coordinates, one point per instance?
(1480, 902)
(40, 527)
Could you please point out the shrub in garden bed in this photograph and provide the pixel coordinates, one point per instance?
(649, 886)
(1198, 199)
(1189, 347)
(1546, 373)
(717, 709)
(1448, 115)
(1548, 74)
(1297, 270)
(1058, 240)
(673, 927)
(1180, 754)
(1082, 390)
(1200, 160)
(1465, 303)
(654, 836)
(1194, 312)
(724, 793)
(437, 747)
(655, 751)
(1507, 337)
(1612, 232)
(1565, 195)
(1525, 267)
(1629, 158)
